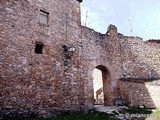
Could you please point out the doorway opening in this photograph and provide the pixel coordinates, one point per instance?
(101, 82)
(98, 86)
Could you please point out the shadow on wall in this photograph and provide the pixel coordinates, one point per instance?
(140, 92)
(139, 82)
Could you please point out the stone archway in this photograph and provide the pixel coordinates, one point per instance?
(110, 83)
(106, 80)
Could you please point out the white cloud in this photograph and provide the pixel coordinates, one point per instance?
(97, 15)
(144, 15)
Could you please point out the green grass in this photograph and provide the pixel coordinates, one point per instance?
(137, 113)
(97, 115)
(133, 110)
(79, 116)
(155, 114)
(89, 116)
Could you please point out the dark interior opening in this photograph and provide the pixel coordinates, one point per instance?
(39, 48)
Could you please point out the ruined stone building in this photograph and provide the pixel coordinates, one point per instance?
(47, 60)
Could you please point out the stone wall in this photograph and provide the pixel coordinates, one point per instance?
(139, 70)
(97, 51)
(125, 57)
(58, 80)
(40, 83)
(140, 92)
(139, 58)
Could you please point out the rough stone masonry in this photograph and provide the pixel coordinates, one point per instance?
(47, 60)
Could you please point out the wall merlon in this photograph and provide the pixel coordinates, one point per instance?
(112, 29)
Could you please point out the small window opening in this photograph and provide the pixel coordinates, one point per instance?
(43, 17)
(39, 48)
(79, 0)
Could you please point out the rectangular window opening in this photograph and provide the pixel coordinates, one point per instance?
(43, 17)
(39, 48)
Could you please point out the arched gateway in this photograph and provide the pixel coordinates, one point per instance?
(101, 84)
(109, 83)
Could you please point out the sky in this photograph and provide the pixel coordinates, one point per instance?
(132, 17)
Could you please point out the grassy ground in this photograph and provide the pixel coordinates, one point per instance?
(103, 116)
(154, 116)
(80, 116)
(133, 110)
(89, 116)
(143, 112)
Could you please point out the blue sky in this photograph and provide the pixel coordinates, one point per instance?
(140, 16)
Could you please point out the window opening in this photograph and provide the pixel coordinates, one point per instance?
(39, 48)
